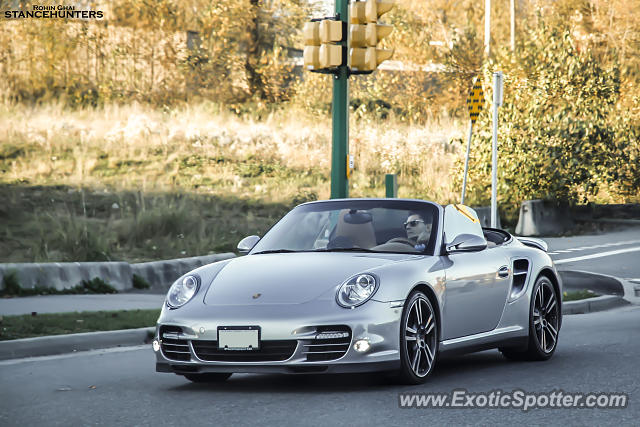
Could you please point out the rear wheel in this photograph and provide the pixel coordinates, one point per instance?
(418, 339)
(210, 377)
(544, 324)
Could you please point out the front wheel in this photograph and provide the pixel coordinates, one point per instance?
(210, 377)
(418, 339)
(544, 323)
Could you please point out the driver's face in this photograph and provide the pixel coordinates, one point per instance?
(415, 226)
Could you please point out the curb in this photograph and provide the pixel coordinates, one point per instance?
(60, 344)
(63, 275)
(590, 305)
(598, 283)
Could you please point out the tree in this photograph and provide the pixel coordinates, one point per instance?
(562, 135)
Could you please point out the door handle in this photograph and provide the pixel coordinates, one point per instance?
(503, 271)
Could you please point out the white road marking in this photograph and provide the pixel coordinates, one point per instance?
(604, 245)
(76, 354)
(600, 255)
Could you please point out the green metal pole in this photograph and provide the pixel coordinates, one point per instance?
(340, 119)
(391, 185)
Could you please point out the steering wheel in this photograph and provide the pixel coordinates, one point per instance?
(401, 240)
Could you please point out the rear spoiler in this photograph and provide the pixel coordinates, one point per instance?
(534, 243)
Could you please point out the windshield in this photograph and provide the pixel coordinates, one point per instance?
(358, 225)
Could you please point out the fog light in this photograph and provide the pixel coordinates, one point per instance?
(361, 346)
(156, 345)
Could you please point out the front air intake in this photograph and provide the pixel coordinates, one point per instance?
(269, 351)
(330, 343)
(173, 345)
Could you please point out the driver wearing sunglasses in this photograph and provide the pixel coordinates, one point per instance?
(418, 231)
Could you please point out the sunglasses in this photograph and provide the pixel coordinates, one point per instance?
(413, 223)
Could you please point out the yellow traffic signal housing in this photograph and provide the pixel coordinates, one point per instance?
(311, 34)
(365, 33)
(368, 35)
(368, 59)
(376, 32)
(322, 50)
(357, 12)
(311, 55)
(330, 55)
(357, 35)
(330, 31)
(374, 9)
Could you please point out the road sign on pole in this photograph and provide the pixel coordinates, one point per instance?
(474, 104)
(497, 102)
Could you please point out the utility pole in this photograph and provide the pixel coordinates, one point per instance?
(487, 27)
(340, 119)
(513, 25)
(497, 102)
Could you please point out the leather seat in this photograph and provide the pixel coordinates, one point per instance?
(362, 235)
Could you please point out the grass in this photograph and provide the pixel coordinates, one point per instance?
(27, 326)
(203, 150)
(60, 223)
(578, 295)
(135, 183)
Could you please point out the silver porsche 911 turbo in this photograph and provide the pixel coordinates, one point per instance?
(362, 285)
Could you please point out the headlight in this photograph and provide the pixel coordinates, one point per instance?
(183, 290)
(357, 290)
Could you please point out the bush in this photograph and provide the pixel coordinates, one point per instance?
(561, 136)
(11, 283)
(140, 282)
(94, 286)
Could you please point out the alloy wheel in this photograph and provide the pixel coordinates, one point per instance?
(545, 316)
(420, 335)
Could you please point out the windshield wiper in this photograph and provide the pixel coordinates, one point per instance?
(274, 251)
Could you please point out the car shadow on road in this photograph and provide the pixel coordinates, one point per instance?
(448, 370)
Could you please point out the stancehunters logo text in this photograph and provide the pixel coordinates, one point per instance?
(60, 11)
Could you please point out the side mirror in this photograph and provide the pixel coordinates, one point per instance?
(466, 243)
(247, 244)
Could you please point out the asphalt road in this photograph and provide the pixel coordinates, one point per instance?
(615, 253)
(598, 352)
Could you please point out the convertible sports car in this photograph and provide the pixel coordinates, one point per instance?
(360, 285)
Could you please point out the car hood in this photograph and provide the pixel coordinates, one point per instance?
(290, 278)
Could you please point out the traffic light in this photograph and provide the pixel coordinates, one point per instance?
(322, 48)
(365, 33)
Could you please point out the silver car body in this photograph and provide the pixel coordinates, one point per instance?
(482, 299)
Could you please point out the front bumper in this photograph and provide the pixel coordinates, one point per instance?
(298, 325)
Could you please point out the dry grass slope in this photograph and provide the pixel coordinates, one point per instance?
(131, 182)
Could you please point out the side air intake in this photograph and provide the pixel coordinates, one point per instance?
(520, 274)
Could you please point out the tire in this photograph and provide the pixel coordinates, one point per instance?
(418, 339)
(210, 377)
(544, 324)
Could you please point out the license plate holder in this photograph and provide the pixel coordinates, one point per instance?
(239, 338)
